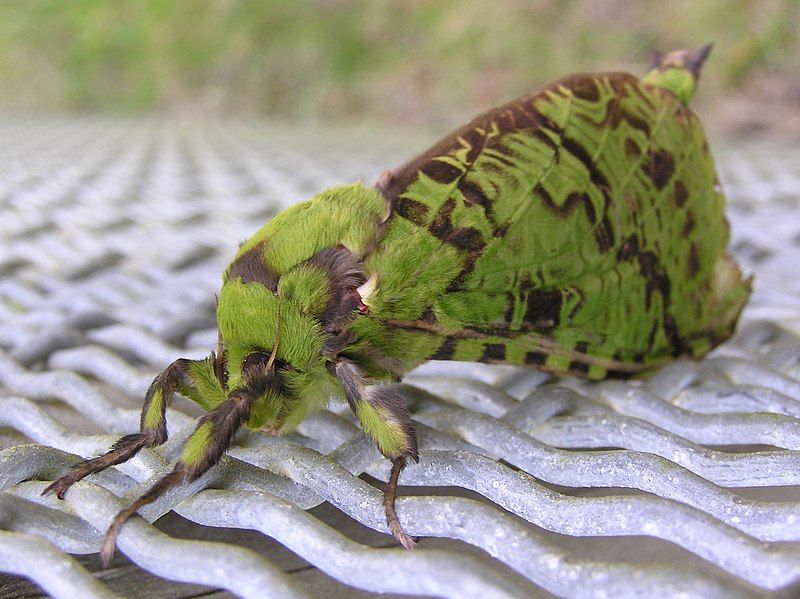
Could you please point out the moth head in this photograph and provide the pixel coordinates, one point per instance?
(301, 317)
(677, 71)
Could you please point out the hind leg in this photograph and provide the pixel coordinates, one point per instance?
(197, 379)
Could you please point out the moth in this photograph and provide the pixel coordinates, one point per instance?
(579, 229)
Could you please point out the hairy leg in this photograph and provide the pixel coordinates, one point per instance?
(194, 378)
(384, 417)
(203, 448)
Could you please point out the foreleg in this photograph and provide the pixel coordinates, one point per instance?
(194, 378)
(384, 417)
(203, 448)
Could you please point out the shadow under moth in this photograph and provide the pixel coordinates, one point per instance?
(579, 229)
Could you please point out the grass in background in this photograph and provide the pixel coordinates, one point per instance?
(411, 62)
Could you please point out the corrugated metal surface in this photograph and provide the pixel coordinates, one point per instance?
(114, 234)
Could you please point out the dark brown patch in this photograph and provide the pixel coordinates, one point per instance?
(428, 316)
(577, 150)
(604, 234)
(656, 278)
(441, 226)
(635, 122)
(474, 196)
(476, 140)
(694, 261)
(581, 347)
(632, 149)
(543, 310)
(547, 122)
(585, 87)
(522, 118)
(250, 268)
(629, 249)
(611, 117)
(473, 245)
(493, 352)
(441, 171)
(500, 156)
(508, 315)
(671, 331)
(620, 374)
(591, 214)
(415, 211)
(659, 166)
(577, 368)
(535, 358)
(572, 201)
(446, 350)
(688, 225)
(506, 121)
(466, 239)
(681, 195)
(543, 137)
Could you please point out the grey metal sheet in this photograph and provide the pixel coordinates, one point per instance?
(114, 233)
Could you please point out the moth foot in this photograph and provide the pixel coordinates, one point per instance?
(60, 486)
(398, 533)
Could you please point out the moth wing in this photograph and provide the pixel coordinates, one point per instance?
(590, 223)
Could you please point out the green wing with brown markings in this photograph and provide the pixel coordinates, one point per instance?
(589, 228)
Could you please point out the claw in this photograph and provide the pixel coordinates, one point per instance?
(60, 486)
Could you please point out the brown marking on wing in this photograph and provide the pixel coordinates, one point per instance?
(517, 115)
(681, 195)
(659, 166)
(493, 352)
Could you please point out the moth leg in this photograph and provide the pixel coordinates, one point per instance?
(203, 449)
(384, 417)
(194, 378)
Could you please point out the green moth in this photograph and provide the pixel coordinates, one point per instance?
(578, 230)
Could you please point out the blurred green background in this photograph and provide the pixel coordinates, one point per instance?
(429, 64)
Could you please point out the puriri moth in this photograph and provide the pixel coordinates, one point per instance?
(579, 229)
